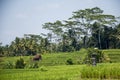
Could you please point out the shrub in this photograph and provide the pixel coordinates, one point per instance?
(20, 63)
(99, 56)
(8, 65)
(69, 61)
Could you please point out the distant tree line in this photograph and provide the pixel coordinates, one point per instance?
(84, 29)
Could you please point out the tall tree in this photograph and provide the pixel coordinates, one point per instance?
(87, 17)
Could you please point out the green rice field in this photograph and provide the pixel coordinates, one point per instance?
(53, 67)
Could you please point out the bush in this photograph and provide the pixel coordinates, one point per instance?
(69, 61)
(8, 65)
(99, 56)
(20, 63)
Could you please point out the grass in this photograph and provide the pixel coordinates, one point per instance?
(102, 71)
(110, 71)
(65, 72)
(61, 58)
(52, 59)
(113, 54)
(53, 67)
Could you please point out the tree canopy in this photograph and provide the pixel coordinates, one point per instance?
(84, 29)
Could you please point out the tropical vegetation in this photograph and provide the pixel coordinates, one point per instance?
(85, 46)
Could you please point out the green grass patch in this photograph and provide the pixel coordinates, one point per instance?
(65, 72)
(104, 71)
(52, 59)
(101, 71)
(54, 67)
(113, 54)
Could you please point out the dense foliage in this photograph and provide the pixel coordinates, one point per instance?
(20, 63)
(85, 28)
(95, 54)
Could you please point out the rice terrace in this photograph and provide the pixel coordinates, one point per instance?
(56, 45)
(54, 67)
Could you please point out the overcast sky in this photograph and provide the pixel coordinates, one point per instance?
(19, 17)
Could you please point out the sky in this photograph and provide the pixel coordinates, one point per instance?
(19, 17)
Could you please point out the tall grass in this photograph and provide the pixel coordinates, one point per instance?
(101, 71)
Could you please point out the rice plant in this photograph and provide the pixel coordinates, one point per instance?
(101, 71)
